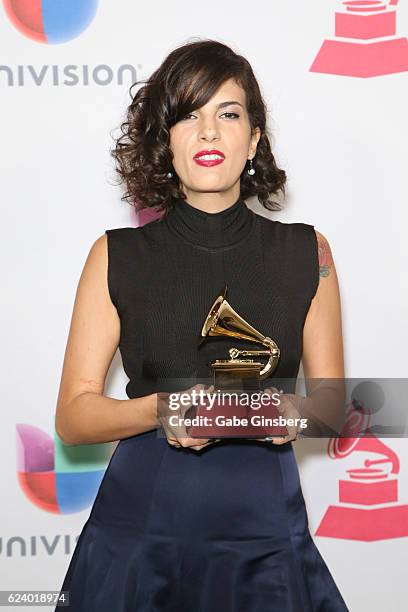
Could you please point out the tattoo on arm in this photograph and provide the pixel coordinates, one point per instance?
(325, 256)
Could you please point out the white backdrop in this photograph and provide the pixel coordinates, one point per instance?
(343, 141)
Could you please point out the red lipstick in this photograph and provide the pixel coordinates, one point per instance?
(208, 157)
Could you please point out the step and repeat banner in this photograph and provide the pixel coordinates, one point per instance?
(334, 76)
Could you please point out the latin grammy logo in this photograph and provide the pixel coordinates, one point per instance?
(365, 43)
(368, 497)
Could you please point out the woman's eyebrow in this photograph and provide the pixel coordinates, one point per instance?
(229, 103)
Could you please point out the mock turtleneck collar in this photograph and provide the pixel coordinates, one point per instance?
(210, 231)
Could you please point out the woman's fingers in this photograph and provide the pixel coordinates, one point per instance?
(287, 408)
(194, 443)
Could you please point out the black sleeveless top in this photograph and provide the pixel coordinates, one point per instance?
(225, 528)
(164, 276)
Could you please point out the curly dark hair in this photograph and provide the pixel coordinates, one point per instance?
(185, 81)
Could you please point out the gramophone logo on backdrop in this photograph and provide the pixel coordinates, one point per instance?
(49, 21)
(57, 478)
(366, 43)
(368, 507)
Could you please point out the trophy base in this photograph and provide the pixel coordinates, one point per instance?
(236, 375)
(218, 420)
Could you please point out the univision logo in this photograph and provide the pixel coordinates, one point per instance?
(37, 545)
(49, 21)
(69, 75)
(52, 22)
(57, 478)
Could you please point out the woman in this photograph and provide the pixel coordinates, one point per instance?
(180, 523)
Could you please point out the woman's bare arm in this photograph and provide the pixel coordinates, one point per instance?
(323, 357)
(83, 414)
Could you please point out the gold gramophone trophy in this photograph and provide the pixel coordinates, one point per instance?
(241, 372)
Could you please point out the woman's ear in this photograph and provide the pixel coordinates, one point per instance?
(256, 134)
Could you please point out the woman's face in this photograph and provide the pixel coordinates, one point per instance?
(222, 127)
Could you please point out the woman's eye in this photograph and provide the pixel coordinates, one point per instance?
(235, 115)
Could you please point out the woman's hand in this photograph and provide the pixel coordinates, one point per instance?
(288, 407)
(177, 435)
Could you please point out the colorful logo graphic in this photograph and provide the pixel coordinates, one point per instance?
(368, 507)
(51, 21)
(365, 43)
(57, 478)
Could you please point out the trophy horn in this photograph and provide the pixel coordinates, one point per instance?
(223, 320)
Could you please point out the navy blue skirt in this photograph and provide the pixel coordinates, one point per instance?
(220, 530)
